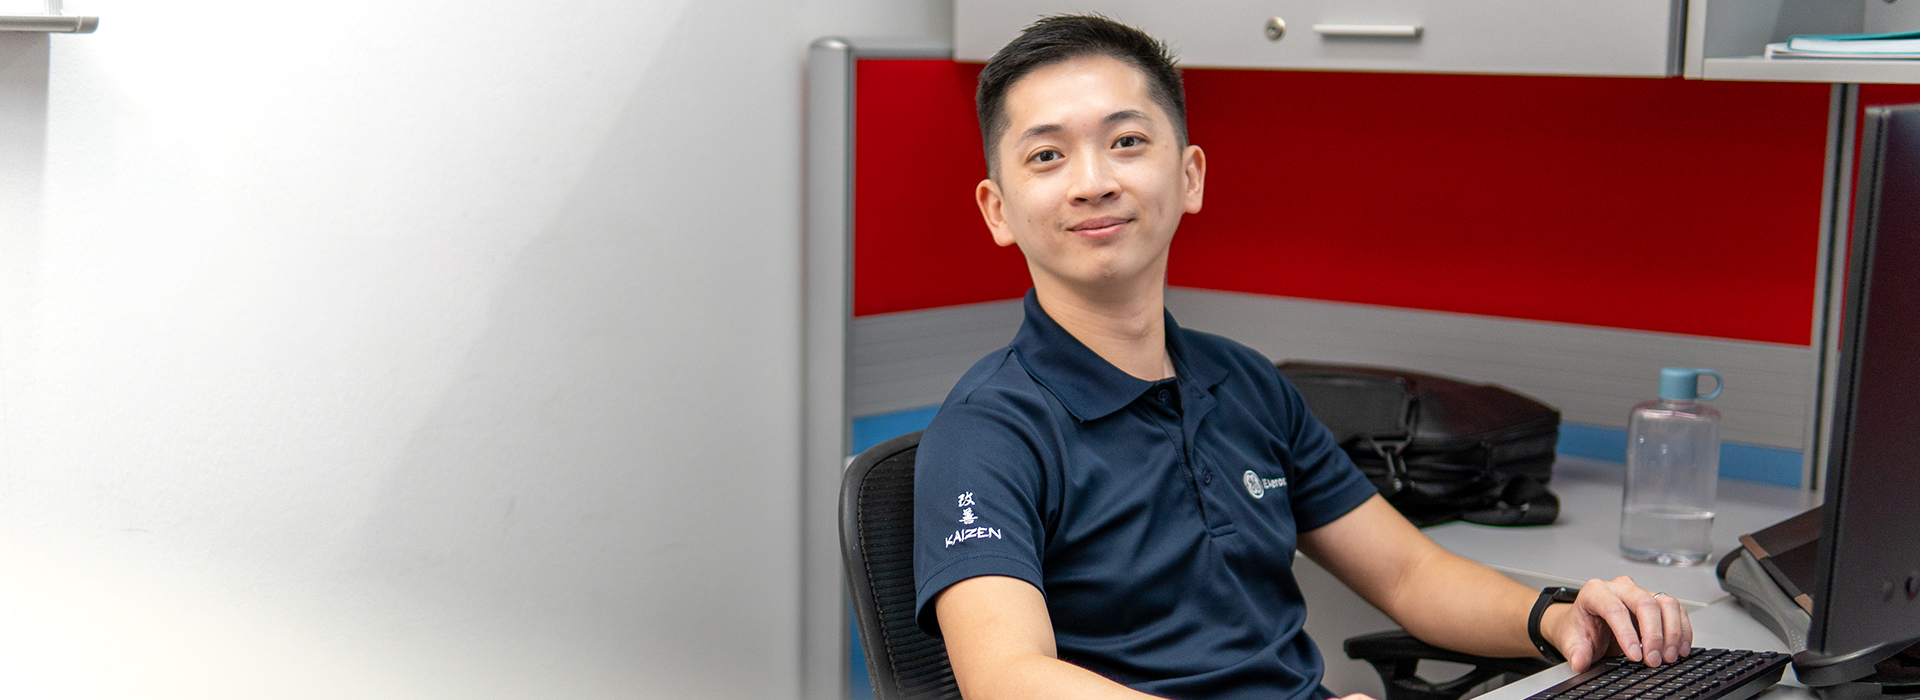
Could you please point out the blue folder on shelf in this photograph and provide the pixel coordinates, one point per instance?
(1887, 45)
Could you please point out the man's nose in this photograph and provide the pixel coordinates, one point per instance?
(1093, 181)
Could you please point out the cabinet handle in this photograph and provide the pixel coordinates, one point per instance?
(48, 23)
(1408, 31)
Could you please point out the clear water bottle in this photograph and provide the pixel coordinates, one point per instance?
(1673, 469)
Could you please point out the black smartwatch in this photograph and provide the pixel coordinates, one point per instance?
(1548, 596)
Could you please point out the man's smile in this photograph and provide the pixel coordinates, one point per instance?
(1102, 227)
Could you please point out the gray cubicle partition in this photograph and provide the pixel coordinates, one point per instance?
(827, 330)
(1592, 374)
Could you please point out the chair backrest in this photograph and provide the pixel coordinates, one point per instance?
(876, 541)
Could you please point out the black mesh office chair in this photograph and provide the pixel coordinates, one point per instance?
(876, 541)
(1396, 655)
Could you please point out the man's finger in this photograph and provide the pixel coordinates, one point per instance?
(1579, 652)
(1687, 624)
(1601, 601)
(1588, 642)
(1647, 609)
(1686, 631)
(1673, 620)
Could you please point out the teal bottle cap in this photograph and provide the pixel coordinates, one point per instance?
(1679, 383)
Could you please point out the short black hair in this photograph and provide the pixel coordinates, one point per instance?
(1060, 38)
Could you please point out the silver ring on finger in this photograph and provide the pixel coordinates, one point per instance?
(1656, 595)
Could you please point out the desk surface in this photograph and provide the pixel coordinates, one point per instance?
(1583, 544)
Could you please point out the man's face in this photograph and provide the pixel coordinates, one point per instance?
(1092, 179)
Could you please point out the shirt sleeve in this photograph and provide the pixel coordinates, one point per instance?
(978, 500)
(1326, 483)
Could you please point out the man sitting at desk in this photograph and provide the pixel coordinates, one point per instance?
(1110, 505)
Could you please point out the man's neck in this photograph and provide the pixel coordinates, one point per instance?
(1128, 330)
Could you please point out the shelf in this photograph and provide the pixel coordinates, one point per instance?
(62, 24)
(1811, 70)
(1727, 39)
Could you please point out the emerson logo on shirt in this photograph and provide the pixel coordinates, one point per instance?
(1257, 486)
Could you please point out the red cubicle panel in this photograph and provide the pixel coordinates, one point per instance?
(1665, 205)
(918, 239)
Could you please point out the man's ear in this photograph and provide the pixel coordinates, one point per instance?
(1194, 165)
(987, 195)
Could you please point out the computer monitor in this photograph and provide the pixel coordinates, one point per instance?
(1866, 592)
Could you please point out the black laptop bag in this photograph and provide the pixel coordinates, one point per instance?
(1439, 449)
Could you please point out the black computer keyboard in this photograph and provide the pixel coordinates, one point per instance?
(1707, 674)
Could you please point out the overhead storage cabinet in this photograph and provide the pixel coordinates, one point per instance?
(1524, 37)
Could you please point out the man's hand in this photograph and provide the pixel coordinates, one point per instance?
(1619, 616)
(1456, 604)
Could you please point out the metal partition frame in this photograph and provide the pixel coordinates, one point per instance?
(827, 320)
(1830, 288)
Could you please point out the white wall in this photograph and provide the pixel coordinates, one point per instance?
(431, 348)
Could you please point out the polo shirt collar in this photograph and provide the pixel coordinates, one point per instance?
(1087, 384)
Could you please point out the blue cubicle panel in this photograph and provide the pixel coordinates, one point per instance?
(1739, 461)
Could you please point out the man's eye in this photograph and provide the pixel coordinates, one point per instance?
(1046, 156)
(1128, 142)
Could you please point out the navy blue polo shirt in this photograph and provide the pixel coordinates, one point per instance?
(1159, 519)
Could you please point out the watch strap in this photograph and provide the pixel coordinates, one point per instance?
(1548, 596)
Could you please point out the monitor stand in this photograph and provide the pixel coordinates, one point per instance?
(1883, 672)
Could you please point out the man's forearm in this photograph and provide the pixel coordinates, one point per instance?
(1000, 642)
(1437, 595)
(1037, 676)
(1452, 602)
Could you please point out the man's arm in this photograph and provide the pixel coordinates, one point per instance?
(1000, 642)
(1449, 601)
